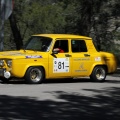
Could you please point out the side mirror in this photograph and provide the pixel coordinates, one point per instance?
(55, 51)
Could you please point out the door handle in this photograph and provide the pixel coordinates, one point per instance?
(86, 55)
(67, 55)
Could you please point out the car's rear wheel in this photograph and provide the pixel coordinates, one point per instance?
(98, 74)
(34, 75)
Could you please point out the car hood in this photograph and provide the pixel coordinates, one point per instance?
(21, 54)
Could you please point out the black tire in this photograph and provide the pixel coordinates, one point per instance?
(98, 74)
(34, 75)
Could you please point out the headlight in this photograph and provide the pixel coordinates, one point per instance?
(1, 63)
(9, 63)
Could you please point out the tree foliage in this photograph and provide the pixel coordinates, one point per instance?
(94, 18)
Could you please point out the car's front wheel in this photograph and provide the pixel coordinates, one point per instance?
(34, 75)
(98, 74)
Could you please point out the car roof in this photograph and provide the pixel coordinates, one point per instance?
(62, 36)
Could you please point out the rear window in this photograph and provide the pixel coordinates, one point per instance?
(78, 46)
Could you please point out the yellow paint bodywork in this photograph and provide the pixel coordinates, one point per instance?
(80, 64)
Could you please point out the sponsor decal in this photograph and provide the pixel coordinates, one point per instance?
(97, 58)
(33, 56)
(12, 54)
(81, 68)
(81, 59)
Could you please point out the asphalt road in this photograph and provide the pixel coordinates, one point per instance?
(77, 99)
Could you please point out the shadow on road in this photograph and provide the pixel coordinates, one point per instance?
(55, 81)
(21, 81)
(49, 81)
(104, 105)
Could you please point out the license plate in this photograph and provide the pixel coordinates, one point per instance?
(2, 71)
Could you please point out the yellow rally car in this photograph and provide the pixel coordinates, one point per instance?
(47, 56)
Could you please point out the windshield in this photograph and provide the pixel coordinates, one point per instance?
(38, 43)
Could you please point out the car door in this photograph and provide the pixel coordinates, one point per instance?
(81, 59)
(60, 62)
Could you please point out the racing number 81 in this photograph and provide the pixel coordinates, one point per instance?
(61, 65)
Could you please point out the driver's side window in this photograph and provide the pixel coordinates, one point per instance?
(61, 46)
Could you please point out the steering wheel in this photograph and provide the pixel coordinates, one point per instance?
(44, 48)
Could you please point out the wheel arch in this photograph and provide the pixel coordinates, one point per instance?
(105, 66)
(38, 67)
